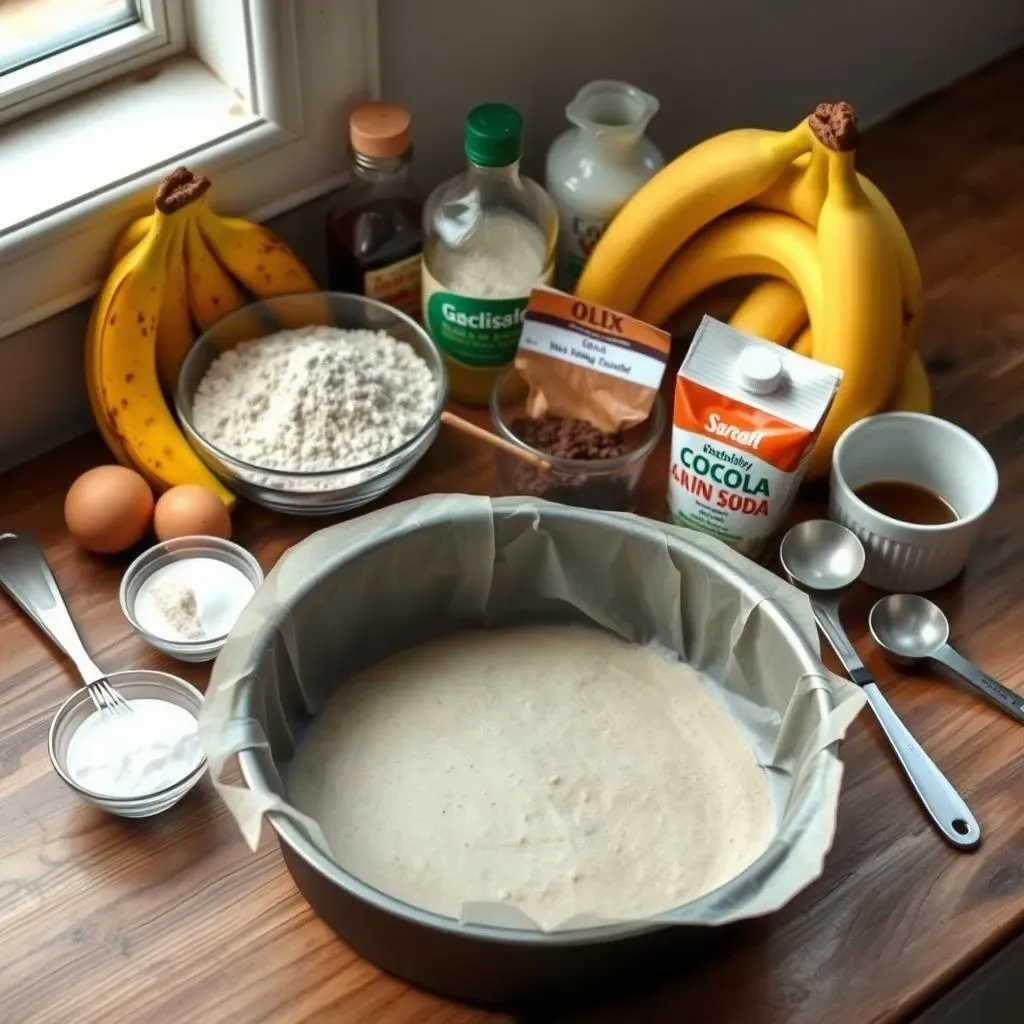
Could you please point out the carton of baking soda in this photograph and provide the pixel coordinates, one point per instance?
(747, 413)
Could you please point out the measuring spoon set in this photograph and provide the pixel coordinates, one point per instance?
(824, 559)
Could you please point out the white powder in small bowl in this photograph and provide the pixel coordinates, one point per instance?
(192, 599)
(177, 603)
(134, 755)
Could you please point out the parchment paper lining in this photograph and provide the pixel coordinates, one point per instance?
(352, 593)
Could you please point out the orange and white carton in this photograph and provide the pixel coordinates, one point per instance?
(747, 413)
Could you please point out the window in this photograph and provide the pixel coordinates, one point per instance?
(31, 30)
(50, 49)
(250, 92)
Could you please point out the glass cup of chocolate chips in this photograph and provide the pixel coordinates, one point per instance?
(589, 468)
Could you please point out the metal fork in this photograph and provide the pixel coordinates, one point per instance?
(26, 576)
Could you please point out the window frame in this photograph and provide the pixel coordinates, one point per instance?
(305, 63)
(158, 34)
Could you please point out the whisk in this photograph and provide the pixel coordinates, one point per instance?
(26, 576)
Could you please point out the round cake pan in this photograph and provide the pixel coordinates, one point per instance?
(481, 963)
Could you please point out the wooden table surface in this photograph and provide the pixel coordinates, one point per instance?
(174, 919)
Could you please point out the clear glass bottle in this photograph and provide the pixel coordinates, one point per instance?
(374, 242)
(489, 236)
(594, 168)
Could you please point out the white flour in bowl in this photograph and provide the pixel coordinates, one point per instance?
(558, 769)
(314, 399)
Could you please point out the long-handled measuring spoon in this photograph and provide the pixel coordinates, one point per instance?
(911, 629)
(824, 559)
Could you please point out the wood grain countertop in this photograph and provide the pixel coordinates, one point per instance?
(175, 920)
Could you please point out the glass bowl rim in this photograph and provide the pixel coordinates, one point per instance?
(438, 371)
(80, 695)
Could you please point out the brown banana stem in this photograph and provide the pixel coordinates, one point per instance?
(835, 126)
(180, 188)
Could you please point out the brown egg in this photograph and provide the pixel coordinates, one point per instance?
(108, 509)
(188, 509)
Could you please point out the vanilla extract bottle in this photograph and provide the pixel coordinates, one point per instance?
(374, 237)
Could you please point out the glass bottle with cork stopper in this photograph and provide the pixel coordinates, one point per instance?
(373, 233)
(489, 237)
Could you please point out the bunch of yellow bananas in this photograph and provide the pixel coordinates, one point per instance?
(840, 281)
(179, 268)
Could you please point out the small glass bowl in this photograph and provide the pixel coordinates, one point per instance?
(321, 493)
(132, 684)
(608, 484)
(165, 553)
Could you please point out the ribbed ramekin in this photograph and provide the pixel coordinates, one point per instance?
(917, 449)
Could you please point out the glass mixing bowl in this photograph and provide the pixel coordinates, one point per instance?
(319, 493)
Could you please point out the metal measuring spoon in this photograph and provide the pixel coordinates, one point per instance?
(911, 629)
(824, 559)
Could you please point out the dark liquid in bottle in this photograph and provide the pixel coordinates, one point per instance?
(367, 240)
(909, 503)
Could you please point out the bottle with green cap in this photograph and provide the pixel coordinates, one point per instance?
(489, 236)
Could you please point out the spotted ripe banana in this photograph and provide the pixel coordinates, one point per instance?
(773, 309)
(859, 325)
(132, 402)
(93, 369)
(212, 292)
(174, 331)
(743, 244)
(130, 237)
(264, 265)
(697, 187)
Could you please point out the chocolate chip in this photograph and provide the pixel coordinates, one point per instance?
(566, 438)
(570, 439)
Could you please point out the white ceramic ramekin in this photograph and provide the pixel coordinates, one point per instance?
(922, 450)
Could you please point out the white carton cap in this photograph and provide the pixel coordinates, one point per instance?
(759, 370)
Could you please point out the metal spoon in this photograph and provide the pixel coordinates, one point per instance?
(824, 559)
(26, 576)
(911, 629)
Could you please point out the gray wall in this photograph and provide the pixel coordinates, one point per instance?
(713, 64)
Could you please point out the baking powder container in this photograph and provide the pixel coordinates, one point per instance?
(221, 591)
(932, 453)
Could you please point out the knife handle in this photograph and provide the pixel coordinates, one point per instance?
(943, 803)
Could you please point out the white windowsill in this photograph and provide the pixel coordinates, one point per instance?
(126, 128)
(73, 175)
